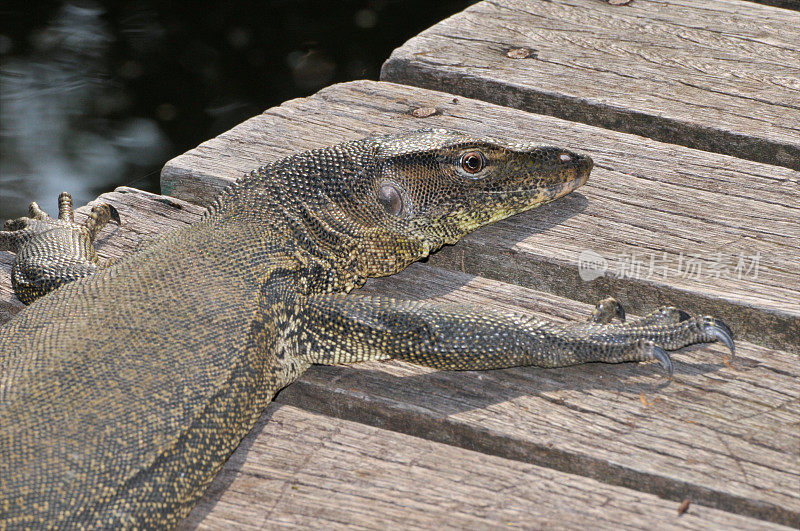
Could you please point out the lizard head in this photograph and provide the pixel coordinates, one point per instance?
(436, 186)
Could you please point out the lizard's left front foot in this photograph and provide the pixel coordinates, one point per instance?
(51, 252)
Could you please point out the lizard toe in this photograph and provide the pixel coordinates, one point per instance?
(663, 358)
(722, 333)
(653, 351)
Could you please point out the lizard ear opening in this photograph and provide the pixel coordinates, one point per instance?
(391, 199)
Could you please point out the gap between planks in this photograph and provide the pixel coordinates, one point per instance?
(300, 469)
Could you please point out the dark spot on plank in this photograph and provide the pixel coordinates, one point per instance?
(171, 203)
(424, 112)
(521, 53)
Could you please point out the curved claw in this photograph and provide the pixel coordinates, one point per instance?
(724, 334)
(114, 214)
(620, 313)
(663, 358)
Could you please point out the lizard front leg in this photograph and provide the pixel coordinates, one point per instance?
(51, 252)
(349, 328)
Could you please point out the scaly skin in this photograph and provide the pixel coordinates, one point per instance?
(124, 392)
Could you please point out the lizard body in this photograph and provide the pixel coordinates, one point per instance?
(124, 392)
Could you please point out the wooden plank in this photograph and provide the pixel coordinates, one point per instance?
(646, 202)
(724, 435)
(299, 469)
(719, 75)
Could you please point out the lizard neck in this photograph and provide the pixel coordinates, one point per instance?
(294, 215)
(315, 213)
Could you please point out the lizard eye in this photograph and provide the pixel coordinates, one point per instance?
(472, 162)
(390, 198)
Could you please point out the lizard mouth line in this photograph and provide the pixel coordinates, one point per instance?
(553, 191)
(562, 189)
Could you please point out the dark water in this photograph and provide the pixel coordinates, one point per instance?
(98, 94)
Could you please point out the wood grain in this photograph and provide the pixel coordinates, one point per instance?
(646, 204)
(303, 470)
(718, 75)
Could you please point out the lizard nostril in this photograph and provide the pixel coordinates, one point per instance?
(565, 157)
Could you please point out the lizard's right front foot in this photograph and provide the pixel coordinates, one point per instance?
(51, 252)
(651, 336)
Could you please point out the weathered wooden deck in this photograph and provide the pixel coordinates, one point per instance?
(394, 445)
(719, 75)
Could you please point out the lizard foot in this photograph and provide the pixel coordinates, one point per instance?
(51, 252)
(666, 329)
(605, 311)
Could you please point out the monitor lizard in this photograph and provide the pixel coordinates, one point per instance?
(123, 392)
